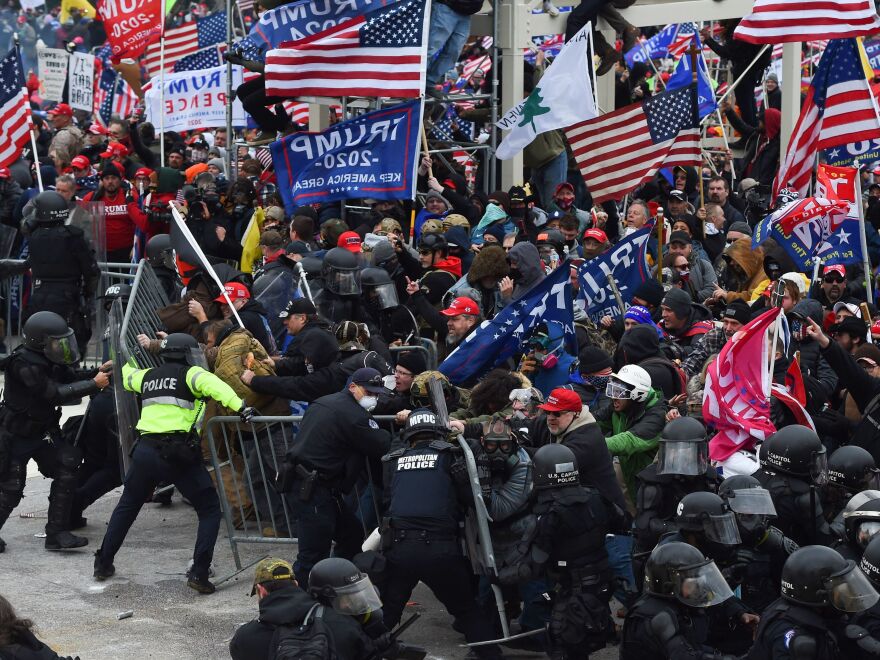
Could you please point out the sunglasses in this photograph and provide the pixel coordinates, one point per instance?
(684, 267)
(424, 252)
(833, 279)
(554, 413)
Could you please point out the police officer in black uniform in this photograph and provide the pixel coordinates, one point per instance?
(339, 300)
(39, 379)
(863, 635)
(851, 470)
(819, 590)
(756, 567)
(669, 621)
(860, 527)
(682, 467)
(65, 273)
(337, 434)
(423, 504)
(160, 255)
(793, 466)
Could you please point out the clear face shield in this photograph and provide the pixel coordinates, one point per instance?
(168, 260)
(344, 282)
(867, 531)
(685, 458)
(195, 357)
(386, 296)
(616, 389)
(819, 468)
(851, 591)
(62, 349)
(357, 599)
(701, 585)
(722, 529)
(751, 501)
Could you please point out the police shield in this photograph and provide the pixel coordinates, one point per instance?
(127, 412)
(90, 217)
(273, 290)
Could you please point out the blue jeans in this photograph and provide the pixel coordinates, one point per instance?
(619, 550)
(547, 177)
(447, 34)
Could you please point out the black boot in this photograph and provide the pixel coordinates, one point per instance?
(64, 540)
(103, 570)
(2, 546)
(199, 581)
(60, 505)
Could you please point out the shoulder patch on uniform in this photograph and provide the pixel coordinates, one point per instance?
(390, 456)
(373, 424)
(441, 445)
(789, 635)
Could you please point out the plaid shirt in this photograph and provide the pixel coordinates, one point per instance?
(709, 344)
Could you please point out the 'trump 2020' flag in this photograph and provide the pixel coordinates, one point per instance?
(683, 76)
(498, 339)
(373, 155)
(380, 53)
(618, 151)
(130, 28)
(563, 96)
(839, 109)
(776, 21)
(15, 111)
(625, 263)
(654, 48)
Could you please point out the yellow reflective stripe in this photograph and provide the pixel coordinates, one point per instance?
(194, 378)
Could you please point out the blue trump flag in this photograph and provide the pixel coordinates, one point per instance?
(654, 48)
(500, 338)
(373, 156)
(625, 263)
(683, 76)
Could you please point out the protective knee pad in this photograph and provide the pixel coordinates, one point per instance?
(12, 483)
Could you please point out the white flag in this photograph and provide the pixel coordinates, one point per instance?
(563, 97)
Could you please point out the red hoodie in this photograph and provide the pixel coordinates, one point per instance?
(120, 218)
(450, 265)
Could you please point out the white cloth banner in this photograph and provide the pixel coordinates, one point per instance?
(194, 99)
(82, 81)
(52, 70)
(31, 4)
(563, 97)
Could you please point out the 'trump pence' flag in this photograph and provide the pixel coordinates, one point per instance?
(564, 96)
(500, 338)
(625, 263)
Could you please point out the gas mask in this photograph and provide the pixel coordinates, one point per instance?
(498, 443)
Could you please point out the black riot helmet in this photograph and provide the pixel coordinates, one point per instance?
(751, 503)
(341, 585)
(550, 240)
(862, 524)
(49, 334)
(706, 514)
(870, 563)
(853, 469)
(797, 451)
(679, 570)
(683, 449)
(384, 256)
(50, 208)
(114, 291)
(555, 466)
(341, 272)
(160, 253)
(422, 425)
(430, 243)
(180, 347)
(817, 576)
(378, 287)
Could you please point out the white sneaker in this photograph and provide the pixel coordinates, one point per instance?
(550, 8)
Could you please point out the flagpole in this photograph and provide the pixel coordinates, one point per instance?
(594, 83)
(695, 107)
(230, 142)
(658, 219)
(36, 160)
(743, 75)
(162, 91)
(866, 261)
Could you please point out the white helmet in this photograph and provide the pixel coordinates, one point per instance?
(631, 382)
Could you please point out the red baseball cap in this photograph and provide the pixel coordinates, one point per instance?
(562, 400)
(80, 162)
(840, 269)
(143, 171)
(596, 235)
(115, 149)
(461, 305)
(350, 241)
(5, 173)
(235, 291)
(97, 129)
(61, 109)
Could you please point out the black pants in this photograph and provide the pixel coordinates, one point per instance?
(254, 100)
(100, 471)
(446, 572)
(66, 301)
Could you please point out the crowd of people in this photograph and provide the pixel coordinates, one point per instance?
(585, 462)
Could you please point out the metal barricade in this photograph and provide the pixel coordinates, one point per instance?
(430, 359)
(245, 459)
(147, 296)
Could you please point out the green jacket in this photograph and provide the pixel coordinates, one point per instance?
(633, 436)
(171, 418)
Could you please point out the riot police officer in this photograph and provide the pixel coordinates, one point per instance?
(860, 527)
(65, 273)
(793, 464)
(756, 567)
(682, 467)
(160, 255)
(867, 637)
(422, 506)
(669, 620)
(169, 450)
(382, 309)
(819, 589)
(339, 300)
(851, 470)
(39, 379)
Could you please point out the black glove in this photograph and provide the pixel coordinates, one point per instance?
(129, 199)
(233, 56)
(247, 413)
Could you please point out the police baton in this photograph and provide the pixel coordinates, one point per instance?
(411, 652)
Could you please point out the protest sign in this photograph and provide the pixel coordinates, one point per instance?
(131, 25)
(52, 68)
(373, 156)
(194, 99)
(81, 81)
(625, 263)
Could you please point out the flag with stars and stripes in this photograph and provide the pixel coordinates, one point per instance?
(501, 338)
(207, 58)
(103, 99)
(185, 40)
(775, 21)
(15, 111)
(445, 131)
(682, 41)
(380, 53)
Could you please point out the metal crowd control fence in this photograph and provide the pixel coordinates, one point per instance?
(147, 296)
(246, 458)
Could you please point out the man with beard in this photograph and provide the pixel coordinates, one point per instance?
(121, 212)
(719, 193)
(833, 286)
(734, 317)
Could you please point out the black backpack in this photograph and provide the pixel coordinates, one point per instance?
(309, 640)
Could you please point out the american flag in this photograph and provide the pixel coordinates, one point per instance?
(618, 151)
(483, 63)
(206, 58)
(382, 53)
(245, 5)
(682, 40)
(443, 129)
(15, 111)
(185, 40)
(839, 109)
(774, 21)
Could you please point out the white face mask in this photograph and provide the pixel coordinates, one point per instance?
(368, 402)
